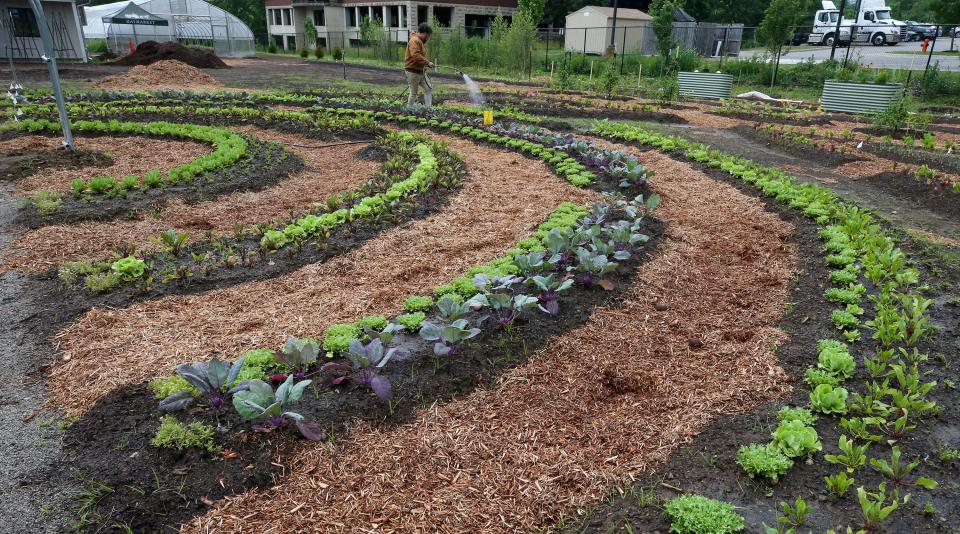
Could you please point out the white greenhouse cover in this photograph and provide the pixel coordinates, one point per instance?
(176, 11)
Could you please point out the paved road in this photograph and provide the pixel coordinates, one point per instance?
(901, 56)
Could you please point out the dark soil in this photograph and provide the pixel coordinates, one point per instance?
(707, 465)
(935, 159)
(22, 163)
(936, 197)
(766, 119)
(151, 51)
(263, 165)
(110, 444)
(827, 157)
(550, 107)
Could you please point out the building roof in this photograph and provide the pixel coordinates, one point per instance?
(622, 13)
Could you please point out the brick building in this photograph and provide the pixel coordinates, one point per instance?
(338, 21)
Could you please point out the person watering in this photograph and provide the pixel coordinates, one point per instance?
(415, 63)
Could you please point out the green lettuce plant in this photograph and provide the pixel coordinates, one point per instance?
(796, 440)
(696, 514)
(763, 460)
(829, 400)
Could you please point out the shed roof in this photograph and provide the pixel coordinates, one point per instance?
(622, 13)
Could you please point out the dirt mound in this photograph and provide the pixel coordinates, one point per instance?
(167, 74)
(150, 52)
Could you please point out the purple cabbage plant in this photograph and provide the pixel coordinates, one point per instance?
(299, 355)
(448, 338)
(592, 267)
(550, 287)
(268, 408)
(210, 379)
(495, 294)
(366, 361)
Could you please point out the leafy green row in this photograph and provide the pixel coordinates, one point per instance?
(327, 121)
(574, 171)
(894, 400)
(229, 148)
(316, 225)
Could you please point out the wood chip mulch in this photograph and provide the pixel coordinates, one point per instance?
(329, 171)
(504, 198)
(690, 341)
(131, 155)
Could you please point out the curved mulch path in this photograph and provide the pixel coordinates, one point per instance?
(329, 171)
(505, 196)
(689, 341)
(131, 155)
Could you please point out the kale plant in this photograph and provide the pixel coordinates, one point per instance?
(591, 269)
(210, 379)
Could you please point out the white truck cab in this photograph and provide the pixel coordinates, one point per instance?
(874, 24)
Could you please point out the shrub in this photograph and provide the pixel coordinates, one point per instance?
(418, 303)
(763, 460)
(272, 48)
(696, 514)
(304, 54)
(337, 337)
(411, 321)
(318, 52)
(173, 434)
(337, 53)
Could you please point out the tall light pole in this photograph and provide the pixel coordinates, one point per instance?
(836, 32)
(612, 49)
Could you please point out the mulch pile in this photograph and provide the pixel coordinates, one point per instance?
(150, 52)
(166, 74)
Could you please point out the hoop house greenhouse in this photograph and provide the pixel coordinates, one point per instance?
(189, 22)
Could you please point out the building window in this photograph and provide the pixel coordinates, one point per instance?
(352, 12)
(423, 14)
(286, 17)
(291, 42)
(394, 14)
(318, 18)
(24, 22)
(444, 15)
(275, 17)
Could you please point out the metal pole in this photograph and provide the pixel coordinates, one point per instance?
(613, 32)
(50, 59)
(723, 46)
(546, 55)
(853, 34)
(836, 31)
(623, 50)
(930, 55)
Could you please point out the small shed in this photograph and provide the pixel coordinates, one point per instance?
(20, 34)
(588, 30)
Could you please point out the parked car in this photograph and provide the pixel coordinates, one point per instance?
(919, 32)
(800, 36)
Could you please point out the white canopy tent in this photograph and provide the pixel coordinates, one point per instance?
(190, 22)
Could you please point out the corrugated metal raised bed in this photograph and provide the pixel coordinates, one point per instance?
(852, 97)
(705, 84)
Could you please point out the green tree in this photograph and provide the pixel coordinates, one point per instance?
(947, 11)
(309, 33)
(662, 13)
(777, 26)
(533, 8)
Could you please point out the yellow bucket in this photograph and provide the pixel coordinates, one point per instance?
(487, 118)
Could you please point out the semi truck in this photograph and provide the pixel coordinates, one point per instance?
(874, 24)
